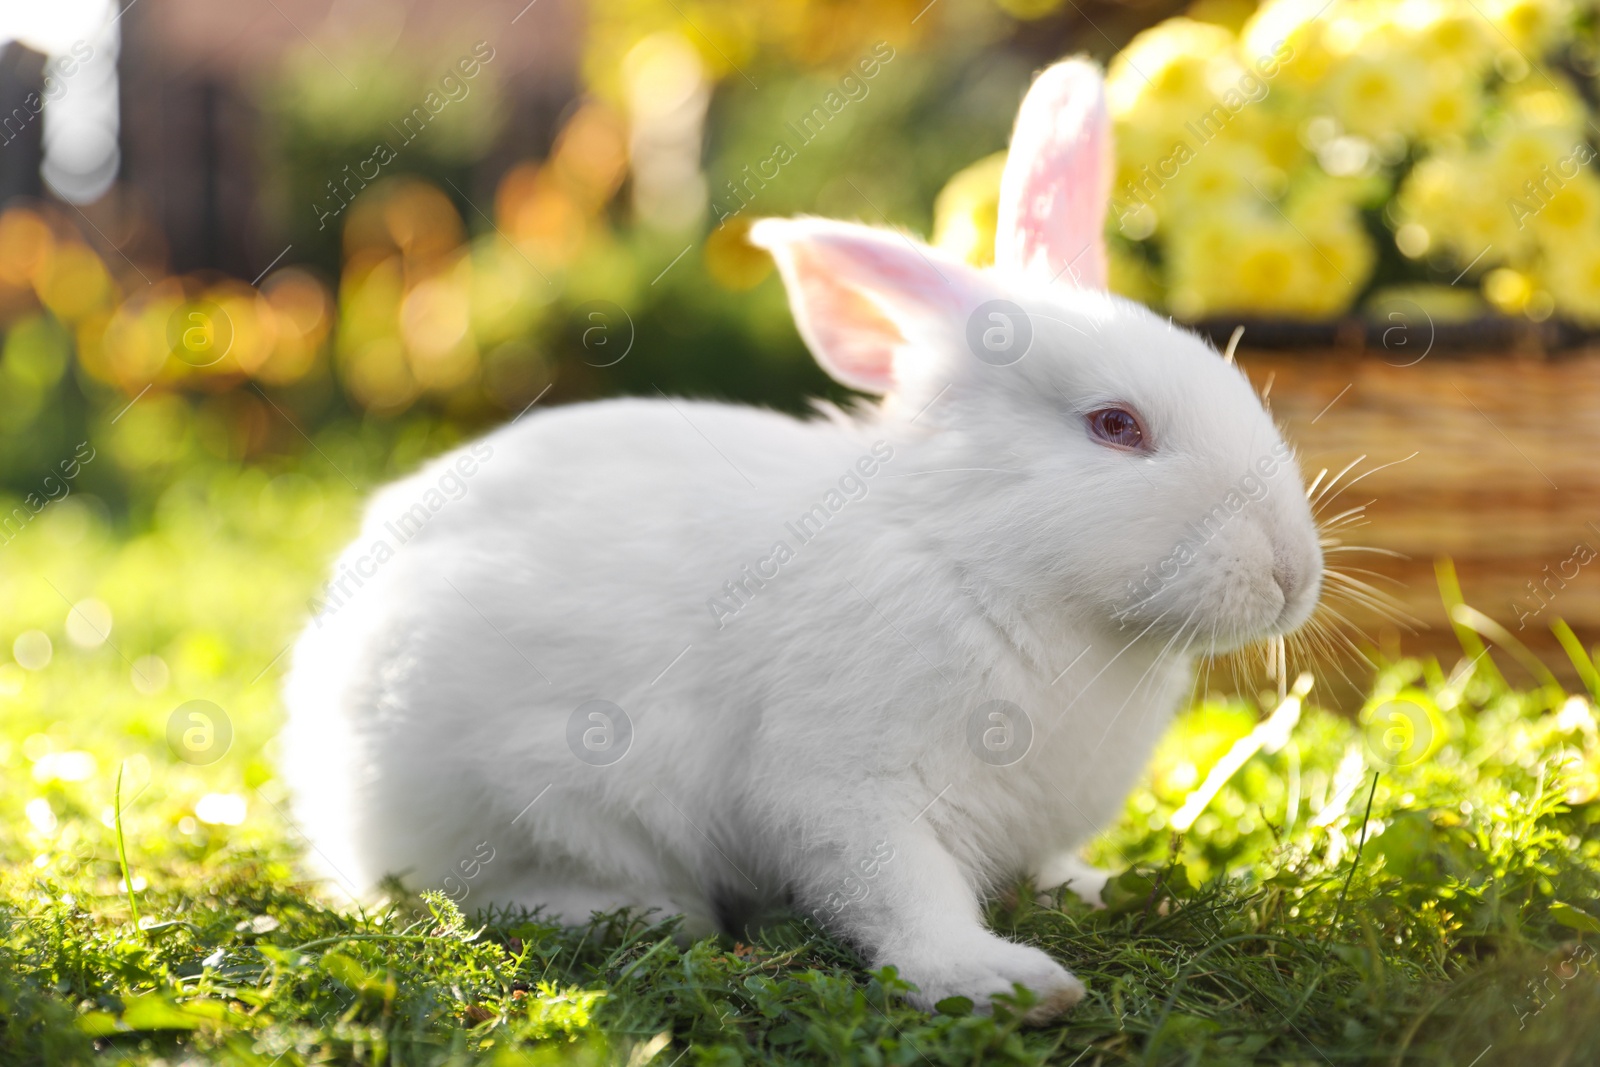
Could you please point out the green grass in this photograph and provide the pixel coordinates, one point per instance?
(1455, 925)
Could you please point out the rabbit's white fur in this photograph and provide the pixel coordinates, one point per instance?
(818, 746)
(831, 714)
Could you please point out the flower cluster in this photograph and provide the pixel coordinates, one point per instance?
(1291, 165)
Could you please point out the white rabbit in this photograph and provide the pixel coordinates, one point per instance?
(872, 665)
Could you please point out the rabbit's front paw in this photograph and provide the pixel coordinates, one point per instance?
(979, 972)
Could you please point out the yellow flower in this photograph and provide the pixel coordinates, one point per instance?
(1274, 131)
(1246, 220)
(1447, 31)
(1455, 198)
(1376, 92)
(1530, 24)
(1546, 101)
(1357, 26)
(1170, 74)
(1307, 257)
(1534, 166)
(967, 210)
(1240, 259)
(1572, 275)
(1515, 153)
(1139, 146)
(1270, 271)
(1570, 215)
(1218, 172)
(1325, 213)
(1295, 27)
(1450, 105)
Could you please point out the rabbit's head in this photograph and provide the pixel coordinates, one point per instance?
(1080, 454)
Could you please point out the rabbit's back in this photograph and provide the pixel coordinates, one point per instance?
(566, 558)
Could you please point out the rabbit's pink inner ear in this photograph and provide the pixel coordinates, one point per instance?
(859, 293)
(851, 337)
(1057, 181)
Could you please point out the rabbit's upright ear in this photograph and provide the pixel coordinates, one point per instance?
(871, 304)
(1057, 179)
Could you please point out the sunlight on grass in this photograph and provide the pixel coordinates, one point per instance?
(1287, 924)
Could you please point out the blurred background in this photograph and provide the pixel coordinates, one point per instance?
(256, 257)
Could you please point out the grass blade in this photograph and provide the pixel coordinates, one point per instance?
(122, 850)
(1581, 662)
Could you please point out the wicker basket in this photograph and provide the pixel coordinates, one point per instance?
(1505, 480)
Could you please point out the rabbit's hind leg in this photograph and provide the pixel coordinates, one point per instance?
(1068, 870)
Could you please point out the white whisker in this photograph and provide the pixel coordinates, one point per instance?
(1335, 480)
(1374, 470)
(1312, 488)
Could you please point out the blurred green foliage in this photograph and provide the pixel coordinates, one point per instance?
(442, 279)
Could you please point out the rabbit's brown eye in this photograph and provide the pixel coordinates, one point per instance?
(1117, 427)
